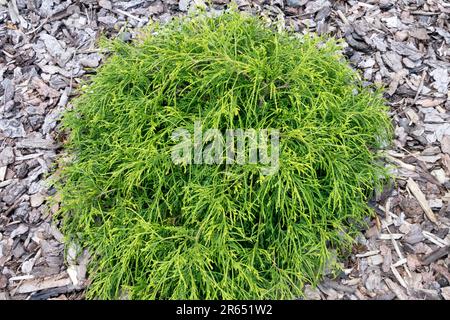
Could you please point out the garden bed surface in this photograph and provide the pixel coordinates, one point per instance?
(48, 46)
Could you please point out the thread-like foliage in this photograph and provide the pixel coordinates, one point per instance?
(159, 230)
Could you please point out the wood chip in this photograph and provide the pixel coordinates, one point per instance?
(429, 103)
(406, 166)
(445, 292)
(446, 162)
(339, 287)
(2, 173)
(418, 194)
(392, 236)
(41, 284)
(436, 240)
(399, 277)
(399, 263)
(442, 270)
(435, 255)
(367, 254)
(396, 289)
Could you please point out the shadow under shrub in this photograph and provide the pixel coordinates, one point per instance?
(166, 231)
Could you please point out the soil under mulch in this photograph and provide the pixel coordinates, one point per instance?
(48, 46)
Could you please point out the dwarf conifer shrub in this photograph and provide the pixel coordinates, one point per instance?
(162, 229)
